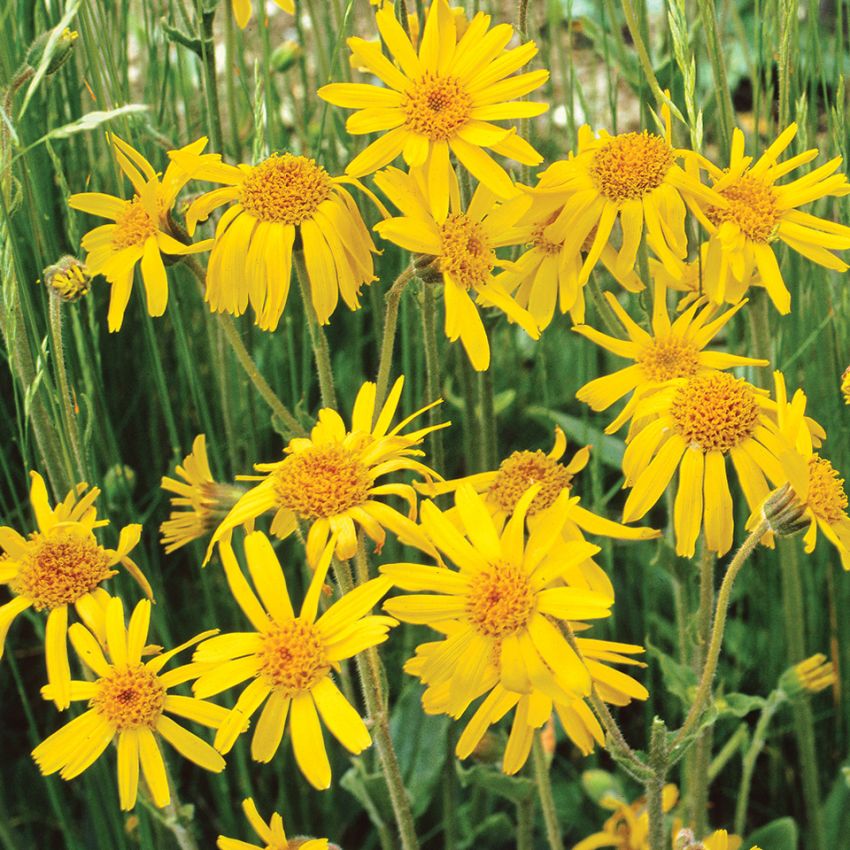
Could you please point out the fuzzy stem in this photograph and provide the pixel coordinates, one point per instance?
(544, 793)
(210, 89)
(432, 369)
(393, 298)
(525, 824)
(655, 786)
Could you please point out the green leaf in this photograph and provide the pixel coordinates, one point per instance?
(779, 834)
(737, 705)
(371, 792)
(514, 788)
(679, 679)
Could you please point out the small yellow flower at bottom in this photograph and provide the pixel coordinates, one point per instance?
(271, 834)
(129, 701)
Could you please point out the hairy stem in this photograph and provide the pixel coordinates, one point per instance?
(393, 298)
(544, 794)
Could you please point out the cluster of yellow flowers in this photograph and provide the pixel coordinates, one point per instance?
(511, 577)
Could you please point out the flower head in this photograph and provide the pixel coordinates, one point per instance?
(141, 230)
(442, 97)
(809, 676)
(284, 203)
(60, 565)
(289, 659)
(242, 10)
(329, 480)
(271, 834)
(129, 701)
(462, 244)
(758, 211)
(68, 279)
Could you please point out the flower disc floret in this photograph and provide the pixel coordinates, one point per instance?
(322, 481)
(631, 165)
(130, 699)
(523, 469)
(466, 252)
(668, 358)
(500, 601)
(541, 242)
(292, 657)
(752, 206)
(60, 568)
(715, 411)
(285, 188)
(133, 226)
(436, 106)
(827, 497)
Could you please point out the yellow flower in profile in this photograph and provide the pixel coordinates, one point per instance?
(845, 385)
(284, 203)
(631, 177)
(463, 244)
(809, 676)
(721, 840)
(271, 834)
(59, 565)
(199, 502)
(442, 97)
(289, 660)
(698, 422)
(758, 211)
(329, 480)
(141, 231)
(504, 595)
(628, 827)
(242, 10)
(674, 349)
(129, 701)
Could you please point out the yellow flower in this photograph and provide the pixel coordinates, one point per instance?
(463, 244)
(129, 701)
(845, 385)
(504, 595)
(628, 827)
(242, 10)
(699, 421)
(502, 489)
(758, 212)
(442, 98)
(141, 230)
(633, 177)
(199, 503)
(271, 834)
(811, 675)
(721, 840)
(59, 565)
(329, 480)
(673, 350)
(284, 200)
(289, 659)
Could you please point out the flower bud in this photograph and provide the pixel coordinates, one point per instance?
(600, 785)
(812, 675)
(285, 55)
(61, 50)
(68, 279)
(784, 512)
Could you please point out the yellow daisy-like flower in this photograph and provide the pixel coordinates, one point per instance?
(721, 840)
(463, 244)
(815, 481)
(271, 834)
(329, 479)
(698, 422)
(141, 231)
(845, 385)
(442, 97)
(59, 565)
(673, 350)
(758, 212)
(199, 502)
(628, 827)
(283, 201)
(289, 660)
(242, 10)
(504, 595)
(129, 701)
(633, 177)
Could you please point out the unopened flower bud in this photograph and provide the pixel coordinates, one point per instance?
(810, 676)
(547, 739)
(68, 279)
(285, 55)
(600, 785)
(61, 50)
(686, 840)
(427, 268)
(490, 749)
(784, 512)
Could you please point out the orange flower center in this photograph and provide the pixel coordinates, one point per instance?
(130, 699)
(59, 568)
(500, 601)
(322, 481)
(436, 106)
(715, 411)
(466, 256)
(292, 657)
(134, 226)
(665, 359)
(631, 165)
(286, 189)
(752, 206)
(827, 498)
(522, 469)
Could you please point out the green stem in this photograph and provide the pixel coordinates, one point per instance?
(393, 298)
(525, 824)
(321, 351)
(210, 88)
(432, 370)
(173, 817)
(725, 109)
(655, 786)
(544, 794)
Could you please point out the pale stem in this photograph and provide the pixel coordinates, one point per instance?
(393, 298)
(544, 793)
(432, 369)
(525, 824)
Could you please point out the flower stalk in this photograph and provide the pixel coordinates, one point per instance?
(544, 794)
